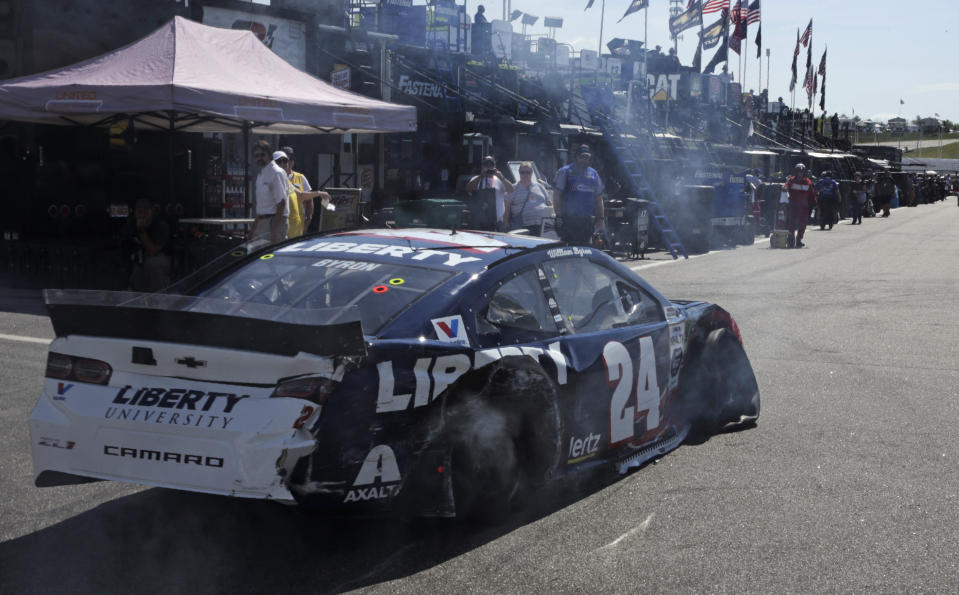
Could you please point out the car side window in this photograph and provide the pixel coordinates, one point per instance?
(594, 298)
(516, 312)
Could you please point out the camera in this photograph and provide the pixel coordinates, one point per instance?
(491, 171)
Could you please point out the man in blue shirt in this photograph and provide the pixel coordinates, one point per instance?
(827, 192)
(578, 199)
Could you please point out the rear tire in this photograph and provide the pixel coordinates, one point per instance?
(503, 429)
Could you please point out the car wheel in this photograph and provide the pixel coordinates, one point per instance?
(720, 391)
(503, 433)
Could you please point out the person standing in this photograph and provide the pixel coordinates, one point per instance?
(578, 199)
(480, 16)
(151, 241)
(272, 195)
(802, 197)
(859, 198)
(528, 203)
(489, 180)
(827, 193)
(884, 191)
(301, 196)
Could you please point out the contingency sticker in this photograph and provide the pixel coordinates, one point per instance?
(451, 330)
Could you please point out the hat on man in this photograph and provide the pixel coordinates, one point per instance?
(583, 149)
(277, 155)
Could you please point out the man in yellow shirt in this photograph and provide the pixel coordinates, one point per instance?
(301, 197)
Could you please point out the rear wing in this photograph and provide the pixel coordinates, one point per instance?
(204, 321)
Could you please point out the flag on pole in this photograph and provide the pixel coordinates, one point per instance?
(822, 73)
(901, 102)
(634, 6)
(752, 14)
(792, 81)
(722, 55)
(697, 64)
(736, 13)
(713, 34)
(691, 17)
(807, 34)
(759, 41)
(589, 5)
(712, 6)
(737, 19)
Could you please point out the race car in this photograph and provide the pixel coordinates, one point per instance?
(422, 371)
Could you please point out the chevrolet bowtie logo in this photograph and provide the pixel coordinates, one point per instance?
(190, 362)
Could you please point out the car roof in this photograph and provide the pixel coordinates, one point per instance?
(436, 248)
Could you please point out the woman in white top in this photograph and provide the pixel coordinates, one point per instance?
(528, 203)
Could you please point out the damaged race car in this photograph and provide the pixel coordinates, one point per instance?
(429, 372)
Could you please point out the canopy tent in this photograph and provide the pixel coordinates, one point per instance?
(190, 76)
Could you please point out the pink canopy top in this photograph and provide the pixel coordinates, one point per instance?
(200, 78)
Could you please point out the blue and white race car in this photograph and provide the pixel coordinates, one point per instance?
(428, 371)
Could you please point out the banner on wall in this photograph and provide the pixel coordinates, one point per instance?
(287, 38)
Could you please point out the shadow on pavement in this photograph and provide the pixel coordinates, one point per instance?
(166, 541)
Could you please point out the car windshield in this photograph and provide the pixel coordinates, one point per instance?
(379, 291)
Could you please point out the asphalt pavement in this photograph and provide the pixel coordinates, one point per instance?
(848, 484)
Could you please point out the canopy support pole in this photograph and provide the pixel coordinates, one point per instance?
(246, 169)
(172, 164)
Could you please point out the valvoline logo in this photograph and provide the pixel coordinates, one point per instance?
(450, 330)
(62, 388)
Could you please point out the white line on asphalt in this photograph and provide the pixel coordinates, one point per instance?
(650, 265)
(25, 339)
(640, 528)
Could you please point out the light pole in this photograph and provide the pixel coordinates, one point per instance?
(767, 71)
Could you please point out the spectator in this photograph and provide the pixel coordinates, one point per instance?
(802, 198)
(578, 199)
(301, 197)
(480, 16)
(272, 195)
(151, 241)
(858, 202)
(490, 181)
(828, 199)
(529, 203)
(884, 191)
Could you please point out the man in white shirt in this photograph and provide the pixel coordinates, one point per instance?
(272, 195)
(491, 178)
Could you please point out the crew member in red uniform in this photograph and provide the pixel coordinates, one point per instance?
(802, 197)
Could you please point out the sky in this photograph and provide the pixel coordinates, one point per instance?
(880, 51)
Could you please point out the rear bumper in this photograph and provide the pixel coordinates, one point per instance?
(247, 454)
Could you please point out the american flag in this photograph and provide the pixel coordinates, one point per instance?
(807, 34)
(822, 64)
(715, 6)
(737, 13)
(752, 15)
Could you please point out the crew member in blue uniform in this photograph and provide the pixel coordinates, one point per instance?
(578, 199)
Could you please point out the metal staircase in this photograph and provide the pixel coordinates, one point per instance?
(624, 149)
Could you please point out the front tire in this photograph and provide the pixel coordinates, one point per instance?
(720, 390)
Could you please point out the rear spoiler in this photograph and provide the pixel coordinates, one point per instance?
(203, 321)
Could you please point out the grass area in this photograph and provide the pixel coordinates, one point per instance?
(949, 151)
(906, 136)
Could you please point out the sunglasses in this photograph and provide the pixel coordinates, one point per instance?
(282, 160)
